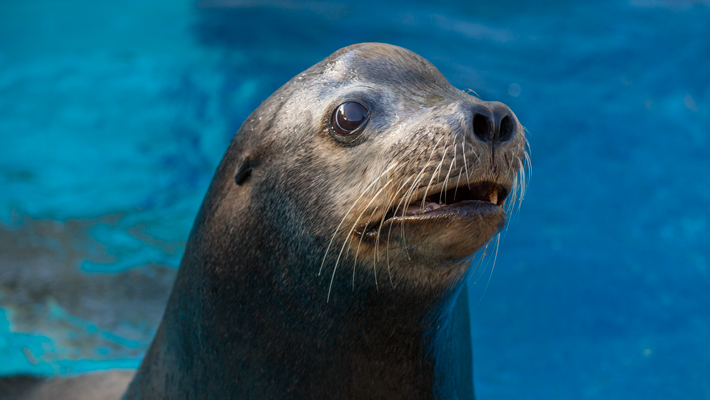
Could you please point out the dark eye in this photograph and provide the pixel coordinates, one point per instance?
(348, 117)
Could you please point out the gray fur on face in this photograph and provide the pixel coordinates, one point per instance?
(419, 135)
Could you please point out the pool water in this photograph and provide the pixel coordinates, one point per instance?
(114, 116)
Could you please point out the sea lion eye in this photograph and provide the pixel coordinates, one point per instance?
(348, 117)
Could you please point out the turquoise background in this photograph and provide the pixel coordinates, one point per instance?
(113, 116)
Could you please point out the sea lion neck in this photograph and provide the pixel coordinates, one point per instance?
(251, 321)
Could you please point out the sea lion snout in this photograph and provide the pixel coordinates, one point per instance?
(494, 122)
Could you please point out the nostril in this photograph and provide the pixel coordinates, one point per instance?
(507, 129)
(482, 127)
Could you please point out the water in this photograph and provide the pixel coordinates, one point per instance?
(114, 116)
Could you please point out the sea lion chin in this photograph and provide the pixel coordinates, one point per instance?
(329, 253)
(446, 234)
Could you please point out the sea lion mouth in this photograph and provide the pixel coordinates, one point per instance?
(484, 197)
(481, 191)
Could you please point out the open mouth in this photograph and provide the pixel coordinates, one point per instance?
(476, 196)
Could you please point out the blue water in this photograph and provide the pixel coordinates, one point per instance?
(114, 116)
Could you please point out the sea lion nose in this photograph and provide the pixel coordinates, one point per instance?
(494, 121)
(506, 122)
(483, 126)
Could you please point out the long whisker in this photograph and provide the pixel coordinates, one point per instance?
(483, 255)
(523, 184)
(411, 190)
(492, 268)
(358, 251)
(435, 173)
(348, 213)
(512, 199)
(414, 183)
(510, 164)
(406, 199)
(347, 238)
(465, 164)
(476, 154)
(377, 241)
(456, 189)
(446, 180)
(394, 197)
(469, 91)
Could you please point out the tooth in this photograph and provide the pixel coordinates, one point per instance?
(414, 208)
(493, 196)
(418, 207)
(431, 207)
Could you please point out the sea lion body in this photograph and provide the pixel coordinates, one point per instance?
(328, 265)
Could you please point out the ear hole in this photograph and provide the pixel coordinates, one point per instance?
(243, 172)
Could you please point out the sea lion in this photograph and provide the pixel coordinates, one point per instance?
(335, 238)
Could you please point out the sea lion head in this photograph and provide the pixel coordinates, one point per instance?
(330, 248)
(374, 163)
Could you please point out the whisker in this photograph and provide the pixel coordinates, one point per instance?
(435, 173)
(446, 180)
(411, 190)
(456, 189)
(523, 185)
(480, 260)
(478, 159)
(414, 183)
(382, 221)
(512, 198)
(348, 213)
(510, 164)
(407, 197)
(492, 268)
(358, 251)
(347, 238)
(465, 164)
(469, 91)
